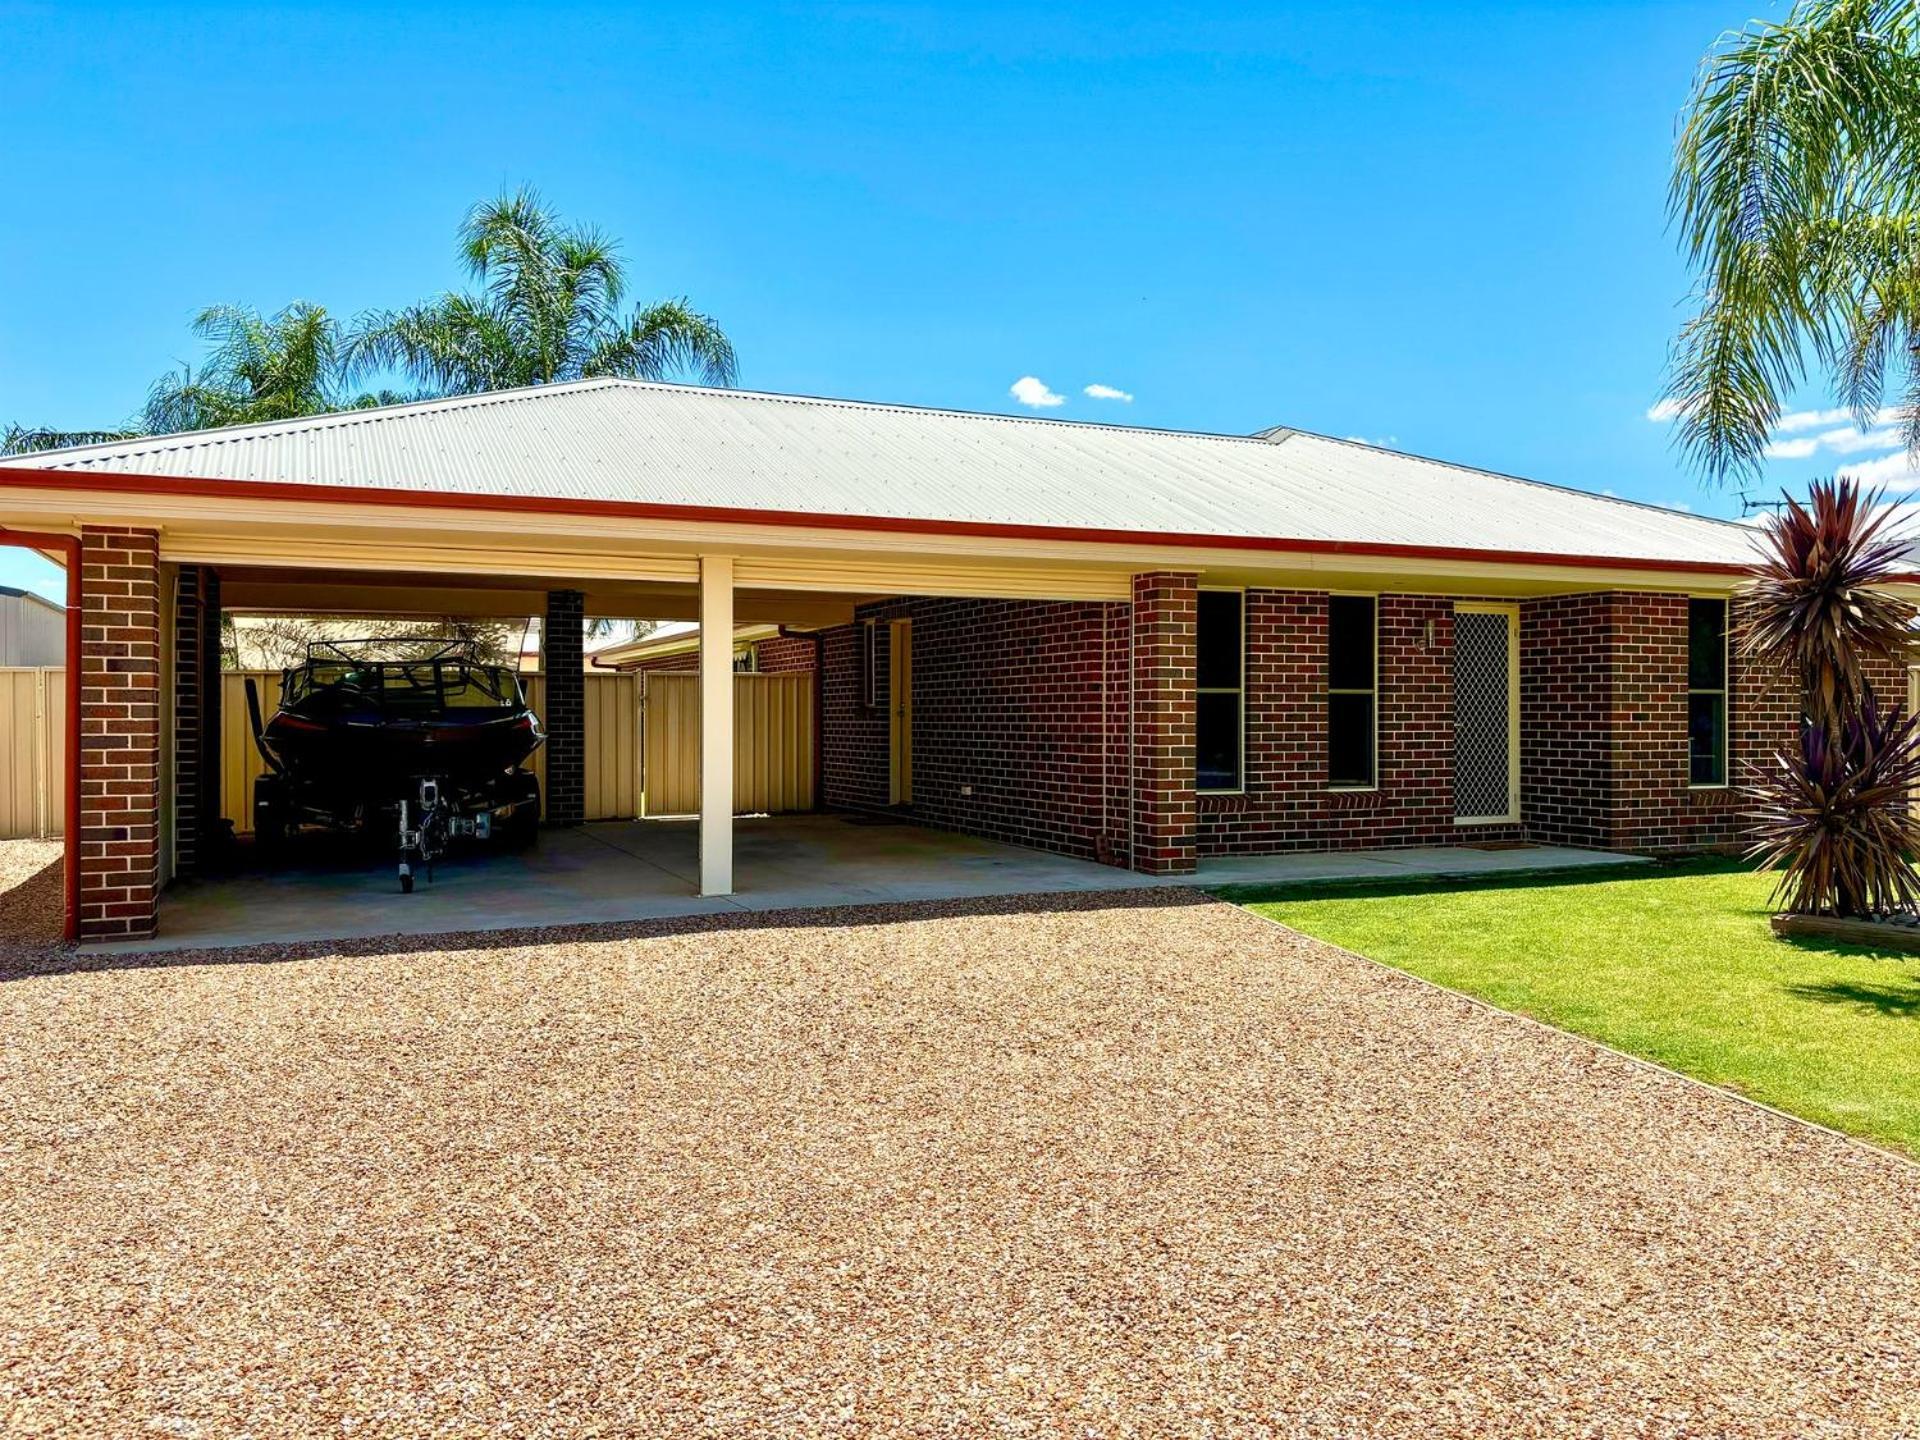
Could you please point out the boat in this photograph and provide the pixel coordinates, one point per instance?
(419, 731)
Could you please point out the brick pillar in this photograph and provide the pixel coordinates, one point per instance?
(561, 642)
(119, 734)
(1164, 617)
(211, 829)
(196, 719)
(189, 718)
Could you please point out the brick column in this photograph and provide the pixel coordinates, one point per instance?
(1164, 617)
(196, 719)
(119, 734)
(211, 831)
(189, 718)
(561, 642)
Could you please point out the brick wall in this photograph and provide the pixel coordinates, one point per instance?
(119, 733)
(562, 638)
(783, 653)
(774, 654)
(1164, 820)
(1605, 712)
(1013, 700)
(1008, 699)
(1566, 705)
(1286, 803)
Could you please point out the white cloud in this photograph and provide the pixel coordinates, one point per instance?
(1808, 419)
(1793, 449)
(1665, 410)
(1031, 390)
(1107, 392)
(1382, 442)
(1898, 471)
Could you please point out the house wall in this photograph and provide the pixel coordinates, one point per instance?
(1286, 803)
(1029, 703)
(775, 654)
(1020, 702)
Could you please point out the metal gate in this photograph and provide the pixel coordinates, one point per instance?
(773, 743)
(1486, 714)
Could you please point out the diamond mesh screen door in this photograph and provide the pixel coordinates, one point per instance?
(1486, 698)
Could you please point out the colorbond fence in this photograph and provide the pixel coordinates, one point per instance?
(773, 745)
(33, 751)
(773, 742)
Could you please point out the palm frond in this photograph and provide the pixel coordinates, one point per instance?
(663, 341)
(30, 439)
(1797, 162)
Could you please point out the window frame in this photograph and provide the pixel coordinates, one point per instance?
(1373, 749)
(1240, 690)
(1725, 692)
(868, 661)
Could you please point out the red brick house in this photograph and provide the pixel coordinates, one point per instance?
(1137, 646)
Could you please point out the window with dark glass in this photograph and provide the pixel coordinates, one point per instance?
(1352, 685)
(1219, 697)
(869, 663)
(1707, 691)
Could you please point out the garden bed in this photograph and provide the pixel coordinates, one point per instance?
(1892, 934)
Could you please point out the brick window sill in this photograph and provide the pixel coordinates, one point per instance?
(1208, 804)
(1719, 797)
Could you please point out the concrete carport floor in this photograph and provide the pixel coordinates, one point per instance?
(647, 869)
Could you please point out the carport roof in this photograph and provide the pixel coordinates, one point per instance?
(745, 453)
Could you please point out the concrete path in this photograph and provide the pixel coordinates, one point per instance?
(645, 870)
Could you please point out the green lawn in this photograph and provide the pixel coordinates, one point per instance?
(1674, 963)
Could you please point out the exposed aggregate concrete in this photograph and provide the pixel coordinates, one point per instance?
(1083, 1165)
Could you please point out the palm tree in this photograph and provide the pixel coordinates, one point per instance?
(1796, 188)
(260, 368)
(549, 309)
(26, 439)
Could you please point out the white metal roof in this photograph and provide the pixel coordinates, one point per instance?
(626, 440)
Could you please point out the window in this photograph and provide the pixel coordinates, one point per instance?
(1219, 649)
(1707, 692)
(1352, 686)
(868, 661)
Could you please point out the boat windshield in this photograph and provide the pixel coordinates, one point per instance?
(407, 687)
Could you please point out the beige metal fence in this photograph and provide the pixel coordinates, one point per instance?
(612, 739)
(773, 743)
(33, 751)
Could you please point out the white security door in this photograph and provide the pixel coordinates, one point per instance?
(1486, 714)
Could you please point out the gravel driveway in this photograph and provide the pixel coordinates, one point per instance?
(1095, 1165)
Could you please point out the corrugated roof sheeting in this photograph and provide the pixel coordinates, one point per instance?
(679, 445)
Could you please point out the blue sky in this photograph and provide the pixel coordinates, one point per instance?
(1437, 226)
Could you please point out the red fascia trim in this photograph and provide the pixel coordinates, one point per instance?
(116, 483)
(70, 829)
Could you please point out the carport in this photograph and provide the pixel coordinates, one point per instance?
(173, 532)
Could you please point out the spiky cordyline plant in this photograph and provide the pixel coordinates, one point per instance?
(1812, 609)
(1835, 817)
(1834, 820)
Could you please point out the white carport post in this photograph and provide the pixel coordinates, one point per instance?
(716, 724)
